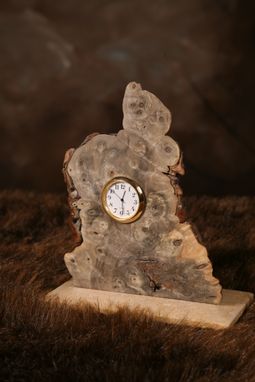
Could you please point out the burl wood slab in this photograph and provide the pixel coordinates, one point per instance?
(159, 254)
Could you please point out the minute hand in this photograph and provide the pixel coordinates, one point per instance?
(117, 195)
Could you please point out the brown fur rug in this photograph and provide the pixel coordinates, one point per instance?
(46, 342)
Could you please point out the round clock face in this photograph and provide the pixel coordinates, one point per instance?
(123, 200)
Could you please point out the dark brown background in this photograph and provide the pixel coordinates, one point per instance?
(64, 66)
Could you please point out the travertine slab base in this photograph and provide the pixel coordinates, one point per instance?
(214, 316)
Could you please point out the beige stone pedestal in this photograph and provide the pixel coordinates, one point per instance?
(219, 316)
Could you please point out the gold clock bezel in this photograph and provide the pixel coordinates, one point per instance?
(141, 196)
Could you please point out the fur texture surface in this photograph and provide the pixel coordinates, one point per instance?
(41, 341)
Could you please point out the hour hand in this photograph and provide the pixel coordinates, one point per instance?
(122, 199)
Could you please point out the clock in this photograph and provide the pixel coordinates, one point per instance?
(123, 200)
(132, 177)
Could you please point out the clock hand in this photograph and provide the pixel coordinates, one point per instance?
(116, 194)
(122, 199)
(122, 206)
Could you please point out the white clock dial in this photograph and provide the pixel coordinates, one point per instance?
(123, 200)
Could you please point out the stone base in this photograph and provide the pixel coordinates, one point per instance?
(219, 316)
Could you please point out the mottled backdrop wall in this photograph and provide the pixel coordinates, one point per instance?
(64, 66)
